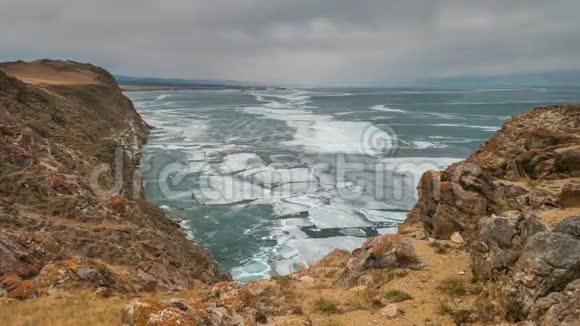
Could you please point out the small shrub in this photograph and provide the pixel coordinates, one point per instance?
(398, 296)
(453, 286)
(445, 308)
(325, 305)
(434, 244)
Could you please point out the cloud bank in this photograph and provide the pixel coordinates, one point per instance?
(331, 41)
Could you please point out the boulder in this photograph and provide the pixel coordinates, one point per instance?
(533, 164)
(569, 225)
(155, 276)
(570, 195)
(569, 161)
(17, 288)
(390, 311)
(141, 313)
(15, 258)
(382, 252)
(456, 238)
(538, 199)
(514, 191)
(558, 308)
(500, 244)
(549, 262)
(453, 201)
(93, 275)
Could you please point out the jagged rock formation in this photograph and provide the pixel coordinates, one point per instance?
(498, 200)
(71, 208)
(504, 174)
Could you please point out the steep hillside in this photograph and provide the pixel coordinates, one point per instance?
(72, 213)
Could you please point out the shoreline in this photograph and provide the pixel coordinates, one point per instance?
(138, 88)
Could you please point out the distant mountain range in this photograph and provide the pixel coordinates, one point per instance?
(177, 82)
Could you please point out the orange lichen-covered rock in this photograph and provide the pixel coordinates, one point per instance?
(148, 313)
(231, 295)
(18, 288)
(384, 251)
(119, 204)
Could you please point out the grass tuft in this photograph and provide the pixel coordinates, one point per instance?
(453, 286)
(445, 308)
(325, 305)
(398, 296)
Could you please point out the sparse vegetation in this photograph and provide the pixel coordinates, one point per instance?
(439, 247)
(325, 305)
(445, 308)
(434, 244)
(364, 300)
(297, 310)
(283, 280)
(453, 286)
(398, 296)
(64, 310)
(381, 276)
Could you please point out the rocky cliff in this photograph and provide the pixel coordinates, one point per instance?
(516, 201)
(72, 213)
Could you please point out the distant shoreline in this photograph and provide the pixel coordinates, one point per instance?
(136, 88)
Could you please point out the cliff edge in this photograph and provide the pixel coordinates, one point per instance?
(72, 212)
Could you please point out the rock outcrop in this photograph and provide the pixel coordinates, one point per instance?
(388, 251)
(496, 199)
(70, 194)
(504, 174)
(549, 263)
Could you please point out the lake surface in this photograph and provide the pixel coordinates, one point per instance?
(271, 179)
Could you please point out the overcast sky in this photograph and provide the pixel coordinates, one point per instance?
(331, 41)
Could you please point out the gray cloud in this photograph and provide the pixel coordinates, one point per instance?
(333, 41)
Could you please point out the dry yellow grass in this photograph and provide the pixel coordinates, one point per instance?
(71, 308)
(49, 73)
